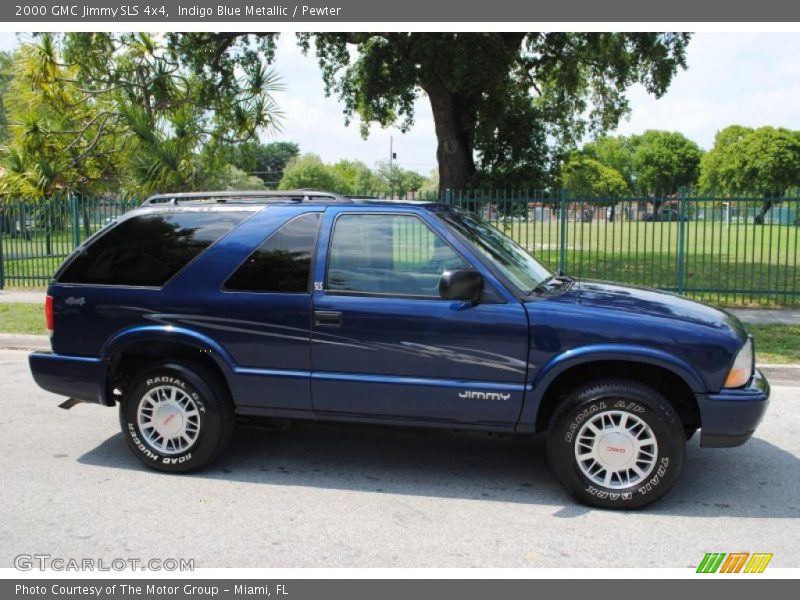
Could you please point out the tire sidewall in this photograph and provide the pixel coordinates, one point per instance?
(207, 403)
(645, 404)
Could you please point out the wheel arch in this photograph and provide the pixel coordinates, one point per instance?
(646, 365)
(133, 349)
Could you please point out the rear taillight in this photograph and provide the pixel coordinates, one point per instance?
(48, 314)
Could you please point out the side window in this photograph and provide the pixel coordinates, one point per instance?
(147, 250)
(388, 254)
(282, 263)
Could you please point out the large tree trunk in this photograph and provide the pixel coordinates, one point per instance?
(766, 205)
(454, 145)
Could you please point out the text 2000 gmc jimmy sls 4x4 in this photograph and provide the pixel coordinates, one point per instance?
(195, 308)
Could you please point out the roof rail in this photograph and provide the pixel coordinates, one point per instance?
(248, 197)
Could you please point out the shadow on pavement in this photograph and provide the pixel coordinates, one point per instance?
(755, 480)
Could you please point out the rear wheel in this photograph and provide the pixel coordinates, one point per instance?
(176, 417)
(616, 443)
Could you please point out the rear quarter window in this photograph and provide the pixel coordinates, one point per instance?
(282, 263)
(147, 250)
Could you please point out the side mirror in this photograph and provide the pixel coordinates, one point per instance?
(461, 284)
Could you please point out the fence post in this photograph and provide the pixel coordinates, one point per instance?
(681, 256)
(76, 230)
(2, 260)
(562, 242)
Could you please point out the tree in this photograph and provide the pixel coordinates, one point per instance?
(512, 148)
(266, 161)
(585, 177)
(430, 188)
(356, 177)
(664, 161)
(615, 152)
(653, 162)
(764, 161)
(231, 178)
(396, 181)
(97, 108)
(308, 171)
(479, 85)
(5, 81)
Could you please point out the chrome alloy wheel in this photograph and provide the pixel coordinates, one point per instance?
(616, 449)
(168, 419)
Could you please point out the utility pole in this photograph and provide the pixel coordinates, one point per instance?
(392, 157)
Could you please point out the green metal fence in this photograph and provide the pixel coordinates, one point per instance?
(725, 250)
(35, 237)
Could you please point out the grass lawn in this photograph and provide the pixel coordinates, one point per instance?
(726, 264)
(777, 344)
(22, 318)
(774, 343)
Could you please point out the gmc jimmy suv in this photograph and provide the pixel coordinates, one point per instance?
(197, 308)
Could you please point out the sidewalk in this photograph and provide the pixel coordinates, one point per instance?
(24, 296)
(767, 316)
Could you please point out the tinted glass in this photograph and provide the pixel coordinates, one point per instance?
(524, 271)
(148, 250)
(388, 254)
(283, 262)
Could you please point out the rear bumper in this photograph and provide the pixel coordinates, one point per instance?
(730, 417)
(80, 377)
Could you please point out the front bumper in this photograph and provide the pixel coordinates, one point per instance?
(730, 417)
(80, 377)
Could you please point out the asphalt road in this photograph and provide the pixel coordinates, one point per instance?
(321, 495)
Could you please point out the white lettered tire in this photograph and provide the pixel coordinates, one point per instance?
(175, 417)
(616, 443)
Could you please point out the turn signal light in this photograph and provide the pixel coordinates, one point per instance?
(48, 314)
(742, 368)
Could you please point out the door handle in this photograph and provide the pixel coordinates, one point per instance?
(329, 318)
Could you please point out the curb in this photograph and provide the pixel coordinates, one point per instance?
(20, 341)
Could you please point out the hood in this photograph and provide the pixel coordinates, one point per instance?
(651, 303)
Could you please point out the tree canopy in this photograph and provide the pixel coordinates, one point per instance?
(763, 161)
(265, 161)
(92, 108)
(655, 162)
(615, 152)
(665, 161)
(308, 171)
(499, 96)
(350, 177)
(584, 177)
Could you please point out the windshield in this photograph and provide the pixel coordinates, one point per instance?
(519, 267)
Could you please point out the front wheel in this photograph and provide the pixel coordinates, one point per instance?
(176, 417)
(616, 443)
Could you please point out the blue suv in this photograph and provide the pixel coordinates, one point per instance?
(197, 308)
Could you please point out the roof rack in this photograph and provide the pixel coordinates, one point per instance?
(248, 197)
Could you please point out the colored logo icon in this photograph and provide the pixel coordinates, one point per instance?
(734, 562)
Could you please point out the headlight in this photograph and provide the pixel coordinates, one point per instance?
(742, 368)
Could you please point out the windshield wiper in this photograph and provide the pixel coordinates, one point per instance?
(551, 283)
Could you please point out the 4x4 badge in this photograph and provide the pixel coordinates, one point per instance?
(73, 301)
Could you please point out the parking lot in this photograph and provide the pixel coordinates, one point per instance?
(323, 495)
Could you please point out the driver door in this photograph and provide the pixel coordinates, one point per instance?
(384, 345)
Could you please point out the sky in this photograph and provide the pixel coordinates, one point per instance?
(751, 79)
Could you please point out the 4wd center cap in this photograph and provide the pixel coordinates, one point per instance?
(168, 420)
(615, 450)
